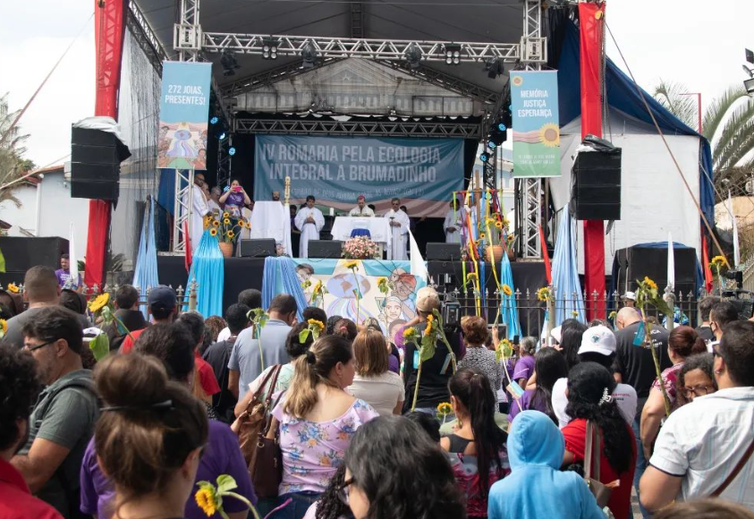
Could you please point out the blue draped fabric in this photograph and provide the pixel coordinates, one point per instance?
(208, 270)
(622, 94)
(145, 273)
(361, 232)
(508, 309)
(565, 274)
(280, 278)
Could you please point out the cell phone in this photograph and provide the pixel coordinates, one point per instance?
(236, 188)
(516, 340)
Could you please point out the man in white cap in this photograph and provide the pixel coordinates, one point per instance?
(629, 299)
(597, 345)
(436, 372)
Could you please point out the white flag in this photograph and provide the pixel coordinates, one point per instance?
(736, 249)
(73, 261)
(671, 263)
(418, 267)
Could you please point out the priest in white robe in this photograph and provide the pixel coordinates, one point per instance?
(362, 209)
(199, 209)
(398, 238)
(453, 223)
(309, 221)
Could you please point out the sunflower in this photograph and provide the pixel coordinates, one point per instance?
(352, 265)
(517, 80)
(543, 294)
(226, 214)
(499, 224)
(444, 409)
(3, 326)
(216, 223)
(718, 262)
(13, 288)
(409, 333)
(226, 221)
(472, 276)
(507, 290)
(99, 302)
(549, 135)
(213, 232)
(230, 234)
(207, 500)
(510, 239)
(482, 236)
(314, 322)
(317, 286)
(649, 283)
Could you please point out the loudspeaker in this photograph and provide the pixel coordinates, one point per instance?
(95, 163)
(639, 261)
(325, 248)
(443, 251)
(22, 253)
(257, 248)
(595, 186)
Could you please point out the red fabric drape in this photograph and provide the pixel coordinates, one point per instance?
(707, 269)
(591, 18)
(545, 256)
(109, 31)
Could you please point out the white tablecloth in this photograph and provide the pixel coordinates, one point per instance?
(378, 227)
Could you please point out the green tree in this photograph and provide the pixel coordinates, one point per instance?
(12, 163)
(728, 124)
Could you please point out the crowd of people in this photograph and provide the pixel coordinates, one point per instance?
(368, 425)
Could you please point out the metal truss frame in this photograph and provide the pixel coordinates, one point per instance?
(529, 190)
(325, 47)
(398, 128)
(182, 208)
(269, 77)
(224, 160)
(145, 37)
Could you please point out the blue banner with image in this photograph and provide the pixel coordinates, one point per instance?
(423, 173)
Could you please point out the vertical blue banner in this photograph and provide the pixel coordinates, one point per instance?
(536, 128)
(184, 110)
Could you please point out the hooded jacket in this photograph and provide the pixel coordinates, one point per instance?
(536, 488)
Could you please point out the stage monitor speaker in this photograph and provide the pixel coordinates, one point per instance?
(22, 253)
(325, 249)
(596, 186)
(95, 163)
(639, 261)
(258, 248)
(443, 251)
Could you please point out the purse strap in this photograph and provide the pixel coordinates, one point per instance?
(277, 369)
(736, 470)
(274, 372)
(592, 436)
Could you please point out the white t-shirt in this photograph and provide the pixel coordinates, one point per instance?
(224, 335)
(624, 395)
(703, 441)
(382, 392)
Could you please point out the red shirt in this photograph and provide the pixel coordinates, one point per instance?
(128, 344)
(16, 502)
(620, 500)
(207, 378)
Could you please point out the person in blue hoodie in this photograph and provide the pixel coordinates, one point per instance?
(536, 488)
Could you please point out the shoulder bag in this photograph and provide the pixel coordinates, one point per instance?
(600, 491)
(736, 470)
(257, 414)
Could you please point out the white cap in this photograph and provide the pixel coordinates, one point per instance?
(630, 296)
(598, 339)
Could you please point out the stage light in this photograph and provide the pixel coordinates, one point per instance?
(231, 151)
(213, 120)
(270, 48)
(502, 127)
(413, 56)
(491, 145)
(494, 67)
(749, 56)
(484, 157)
(749, 85)
(452, 53)
(309, 54)
(229, 64)
(222, 136)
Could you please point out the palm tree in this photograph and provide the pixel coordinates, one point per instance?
(728, 124)
(12, 163)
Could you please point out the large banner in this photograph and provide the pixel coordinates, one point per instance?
(184, 110)
(536, 129)
(423, 173)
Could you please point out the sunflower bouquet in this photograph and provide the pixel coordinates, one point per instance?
(225, 227)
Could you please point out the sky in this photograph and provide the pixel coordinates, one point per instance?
(694, 42)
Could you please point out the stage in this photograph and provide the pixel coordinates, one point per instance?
(243, 273)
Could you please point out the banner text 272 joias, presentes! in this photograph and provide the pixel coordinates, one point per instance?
(336, 170)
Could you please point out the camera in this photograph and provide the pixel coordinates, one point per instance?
(737, 276)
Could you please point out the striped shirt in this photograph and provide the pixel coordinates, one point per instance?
(703, 441)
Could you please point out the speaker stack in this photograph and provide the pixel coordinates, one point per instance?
(95, 163)
(595, 185)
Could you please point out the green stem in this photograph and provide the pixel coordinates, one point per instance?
(418, 378)
(245, 501)
(259, 344)
(656, 360)
(118, 322)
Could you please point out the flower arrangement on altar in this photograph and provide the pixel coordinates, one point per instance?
(226, 229)
(360, 247)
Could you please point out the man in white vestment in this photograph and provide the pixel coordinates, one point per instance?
(309, 221)
(199, 210)
(399, 224)
(214, 200)
(361, 209)
(453, 223)
(272, 220)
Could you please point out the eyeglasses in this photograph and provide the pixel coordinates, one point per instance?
(692, 391)
(343, 493)
(36, 347)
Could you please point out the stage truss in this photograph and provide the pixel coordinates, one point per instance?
(530, 53)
